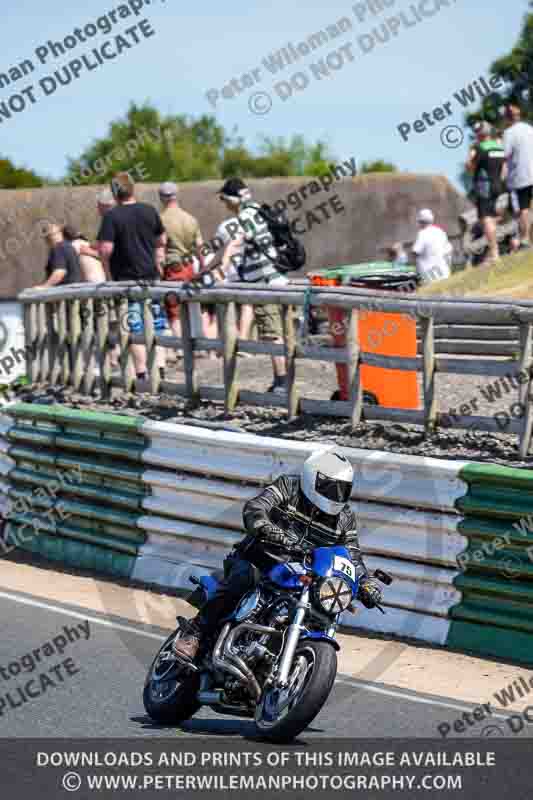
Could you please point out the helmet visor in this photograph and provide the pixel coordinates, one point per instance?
(333, 489)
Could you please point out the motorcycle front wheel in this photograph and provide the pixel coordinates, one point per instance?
(170, 689)
(282, 714)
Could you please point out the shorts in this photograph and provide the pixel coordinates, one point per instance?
(524, 197)
(486, 206)
(176, 272)
(268, 322)
(135, 317)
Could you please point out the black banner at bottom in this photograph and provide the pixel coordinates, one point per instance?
(196, 768)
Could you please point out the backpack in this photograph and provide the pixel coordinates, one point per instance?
(291, 252)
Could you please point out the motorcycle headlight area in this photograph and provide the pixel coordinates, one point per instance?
(334, 595)
(248, 605)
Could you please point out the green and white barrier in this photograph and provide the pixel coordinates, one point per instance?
(495, 615)
(157, 502)
(75, 486)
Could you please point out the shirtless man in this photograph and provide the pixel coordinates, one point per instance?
(91, 267)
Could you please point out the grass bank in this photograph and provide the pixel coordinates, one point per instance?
(512, 277)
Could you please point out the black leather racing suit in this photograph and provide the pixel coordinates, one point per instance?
(242, 566)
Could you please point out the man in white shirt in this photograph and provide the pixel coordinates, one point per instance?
(432, 249)
(518, 147)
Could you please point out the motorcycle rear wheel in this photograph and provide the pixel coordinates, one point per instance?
(282, 715)
(170, 690)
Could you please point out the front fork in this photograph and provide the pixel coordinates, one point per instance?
(293, 636)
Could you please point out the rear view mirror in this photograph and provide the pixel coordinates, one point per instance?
(383, 577)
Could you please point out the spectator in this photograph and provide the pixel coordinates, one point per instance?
(105, 201)
(432, 249)
(63, 266)
(184, 240)
(250, 256)
(487, 162)
(518, 146)
(91, 266)
(132, 248)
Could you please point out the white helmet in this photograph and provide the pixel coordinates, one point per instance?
(327, 478)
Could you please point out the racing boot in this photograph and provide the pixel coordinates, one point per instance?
(185, 646)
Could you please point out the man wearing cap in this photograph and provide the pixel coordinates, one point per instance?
(184, 240)
(131, 242)
(250, 256)
(486, 163)
(432, 249)
(518, 147)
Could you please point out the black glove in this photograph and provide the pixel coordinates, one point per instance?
(272, 534)
(369, 594)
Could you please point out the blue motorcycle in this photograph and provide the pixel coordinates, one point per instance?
(275, 657)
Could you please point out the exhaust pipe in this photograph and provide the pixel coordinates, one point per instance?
(221, 663)
(228, 661)
(237, 661)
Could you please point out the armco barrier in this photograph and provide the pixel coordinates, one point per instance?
(158, 502)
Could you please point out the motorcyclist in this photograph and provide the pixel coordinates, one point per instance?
(320, 495)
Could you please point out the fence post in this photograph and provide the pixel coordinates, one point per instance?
(230, 337)
(524, 389)
(354, 368)
(87, 345)
(43, 344)
(75, 351)
(125, 360)
(57, 335)
(102, 328)
(52, 341)
(151, 347)
(289, 338)
(31, 336)
(191, 382)
(428, 359)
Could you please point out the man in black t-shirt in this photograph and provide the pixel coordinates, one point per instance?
(132, 248)
(487, 164)
(63, 266)
(130, 236)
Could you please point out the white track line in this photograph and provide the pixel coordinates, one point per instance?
(367, 687)
(96, 620)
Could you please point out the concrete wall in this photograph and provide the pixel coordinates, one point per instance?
(379, 209)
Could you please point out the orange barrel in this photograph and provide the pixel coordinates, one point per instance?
(382, 334)
(389, 335)
(385, 335)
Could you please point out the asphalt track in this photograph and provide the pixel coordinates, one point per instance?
(98, 692)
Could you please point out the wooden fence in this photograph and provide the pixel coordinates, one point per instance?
(69, 328)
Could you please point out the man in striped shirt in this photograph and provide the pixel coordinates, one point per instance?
(250, 257)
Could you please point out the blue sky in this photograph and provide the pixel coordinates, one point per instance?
(356, 109)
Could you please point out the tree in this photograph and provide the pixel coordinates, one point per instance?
(180, 148)
(377, 166)
(12, 177)
(516, 70)
(161, 148)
